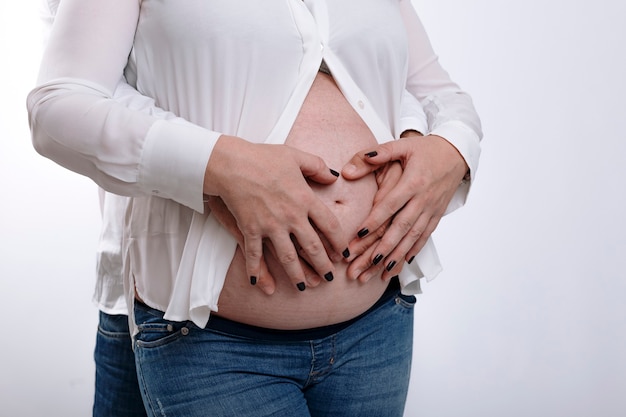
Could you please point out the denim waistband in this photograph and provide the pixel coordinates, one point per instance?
(235, 328)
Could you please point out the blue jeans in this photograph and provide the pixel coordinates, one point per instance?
(117, 390)
(361, 370)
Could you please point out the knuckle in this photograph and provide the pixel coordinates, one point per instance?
(288, 257)
(380, 232)
(388, 207)
(417, 182)
(291, 216)
(314, 248)
(387, 147)
(254, 253)
(320, 164)
(415, 233)
(251, 231)
(403, 225)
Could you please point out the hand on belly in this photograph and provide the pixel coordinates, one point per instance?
(328, 127)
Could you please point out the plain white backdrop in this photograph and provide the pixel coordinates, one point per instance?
(529, 315)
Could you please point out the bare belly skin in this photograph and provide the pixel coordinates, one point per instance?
(329, 127)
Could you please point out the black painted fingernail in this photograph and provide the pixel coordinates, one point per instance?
(390, 265)
(335, 173)
(371, 154)
(377, 259)
(253, 280)
(363, 232)
(329, 276)
(301, 286)
(346, 253)
(412, 258)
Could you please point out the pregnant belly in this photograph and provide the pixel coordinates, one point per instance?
(330, 128)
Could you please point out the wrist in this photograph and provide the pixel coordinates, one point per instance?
(219, 162)
(460, 164)
(411, 133)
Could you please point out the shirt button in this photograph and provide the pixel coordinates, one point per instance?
(361, 104)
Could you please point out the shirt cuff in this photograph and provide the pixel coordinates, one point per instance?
(412, 116)
(174, 160)
(413, 123)
(467, 142)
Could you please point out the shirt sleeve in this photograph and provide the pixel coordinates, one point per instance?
(449, 109)
(76, 121)
(47, 10)
(412, 115)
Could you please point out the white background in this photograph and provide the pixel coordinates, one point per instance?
(528, 317)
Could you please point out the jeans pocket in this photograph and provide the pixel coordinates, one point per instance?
(113, 326)
(154, 331)
(405, 301)
(155, 335)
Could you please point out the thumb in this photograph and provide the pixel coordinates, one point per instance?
(314, 168)
(367, 161)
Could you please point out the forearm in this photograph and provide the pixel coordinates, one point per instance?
(450, 110)
(77, 120)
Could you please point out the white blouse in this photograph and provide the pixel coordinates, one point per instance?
(237, 67)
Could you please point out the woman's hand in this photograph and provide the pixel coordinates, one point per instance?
(432, 171)
(265, 280)
(265, 188)
(362, 249)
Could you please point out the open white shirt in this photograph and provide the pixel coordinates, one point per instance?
(237, 67)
